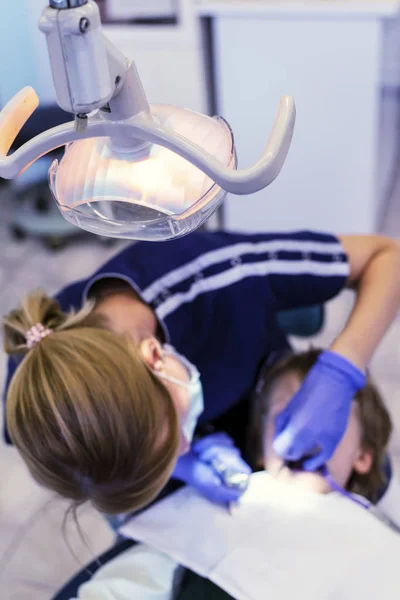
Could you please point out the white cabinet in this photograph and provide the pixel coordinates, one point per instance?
(334, 60)
(169, 58)
(169, 62)
(140, 9)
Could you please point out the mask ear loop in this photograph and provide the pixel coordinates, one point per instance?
(335, 487)
(193, 372)
(173, 380)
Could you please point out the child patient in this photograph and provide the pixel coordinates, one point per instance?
(357, 464)
(289, 537)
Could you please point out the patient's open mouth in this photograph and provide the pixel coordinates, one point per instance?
(298, 465)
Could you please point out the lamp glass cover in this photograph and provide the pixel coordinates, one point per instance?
(148, 194)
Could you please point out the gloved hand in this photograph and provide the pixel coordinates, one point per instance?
(194, 468)
(316, 418)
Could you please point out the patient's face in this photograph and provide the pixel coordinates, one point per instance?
(342, 462)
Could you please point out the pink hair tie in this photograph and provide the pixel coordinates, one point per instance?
(36, 334)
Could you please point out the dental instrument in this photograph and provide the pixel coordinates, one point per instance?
(130, 170)
(231, 478)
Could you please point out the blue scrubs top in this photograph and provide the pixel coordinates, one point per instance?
(216, 296)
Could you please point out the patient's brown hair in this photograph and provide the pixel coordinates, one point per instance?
(374, 418)
(90, 419)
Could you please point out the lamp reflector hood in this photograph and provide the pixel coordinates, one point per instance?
(145, 192)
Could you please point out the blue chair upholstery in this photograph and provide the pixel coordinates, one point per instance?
(302, 322)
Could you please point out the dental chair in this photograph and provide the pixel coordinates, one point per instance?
(303, 322)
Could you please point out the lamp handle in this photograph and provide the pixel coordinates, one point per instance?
(14, 116)
(245, 181)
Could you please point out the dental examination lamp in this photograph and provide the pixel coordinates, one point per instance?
(130, 170)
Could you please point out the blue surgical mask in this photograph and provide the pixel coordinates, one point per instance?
(195, 389)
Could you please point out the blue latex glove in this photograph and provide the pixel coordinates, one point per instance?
(194, 468)
(315, 420)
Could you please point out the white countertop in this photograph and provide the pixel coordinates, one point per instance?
(337, 8)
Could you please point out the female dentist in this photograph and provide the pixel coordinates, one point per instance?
(104, 405)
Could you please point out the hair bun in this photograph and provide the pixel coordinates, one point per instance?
(36, 308)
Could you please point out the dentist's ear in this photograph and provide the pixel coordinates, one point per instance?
(363, 463)
(152, 353)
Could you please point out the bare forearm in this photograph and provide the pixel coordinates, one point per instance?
(377, 285)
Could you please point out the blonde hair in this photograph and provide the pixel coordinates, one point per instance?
(90, 419)
(374, 418)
